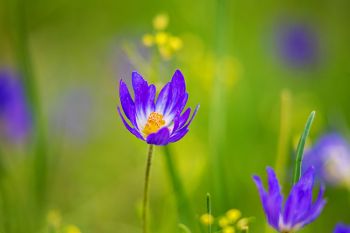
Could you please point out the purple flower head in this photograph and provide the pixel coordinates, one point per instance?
(15, 117)
(331, 158)
(160, 121)
(298, 209)
(341, 228)
(298, 44)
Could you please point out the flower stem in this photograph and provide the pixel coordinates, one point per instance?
(145, 191)
(300, 148)
(209, 210)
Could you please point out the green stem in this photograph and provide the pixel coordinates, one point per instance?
(300, 148)
(185, 211)
(209, 210)
(146, 188)
(217, 118)
(22, 49)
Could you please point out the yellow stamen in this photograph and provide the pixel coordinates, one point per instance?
(154, 122)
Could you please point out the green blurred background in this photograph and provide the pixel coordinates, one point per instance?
(75, 52)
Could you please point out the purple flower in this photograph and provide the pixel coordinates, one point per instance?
(341, 228)
(298, 210)
(298, 44)
(160, 121)
(331, 158)
(15, 117)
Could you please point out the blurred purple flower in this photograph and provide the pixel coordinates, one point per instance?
(299, 209)
(298, 44)
(341, 228)
(331, 158)
(159, 122)
(15, 117)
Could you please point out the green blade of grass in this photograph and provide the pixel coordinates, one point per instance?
(185, 211)
(300, 148)
(209, 210)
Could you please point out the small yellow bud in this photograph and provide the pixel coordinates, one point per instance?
(207, 219)
(243, 224)
(228, 230)
(175, 43)
(54, 218)
(223, 222)
(161, 38)
(161, 21)
(72, 229)
(233, 215)
(148, 40)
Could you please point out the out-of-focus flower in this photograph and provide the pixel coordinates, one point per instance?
(72, 229)
(243, 224)
(298, 44)
(207, 219)
(157, 122)
(161, 21)
(223, 221)
(72, 114)
(15, 116)
(166, 43)
(228, 222)
(331, 158)
(233, 215)
(228, 229)
(299, 208)
(341, 228)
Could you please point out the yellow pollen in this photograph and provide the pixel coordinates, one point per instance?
(154, 122)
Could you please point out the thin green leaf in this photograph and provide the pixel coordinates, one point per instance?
(300, 148)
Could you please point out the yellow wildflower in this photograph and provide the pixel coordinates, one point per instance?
(243, 224)
(161, 38)
(223, 222)
(228, 230)
(175, 43)
(148, 40)
(160, 22)
(207, 219)
(72, 229)
(165, 52)
(233, 215)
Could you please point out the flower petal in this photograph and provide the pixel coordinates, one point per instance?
(180, 120)
(140, 87)
(132, 130)
(178, 95)
(267, 203)
(161, 137)
(127, 102)
(341, 228)
(151, 94)
(316, 208)
(274, 200)
(178, 135)
(163, 99)
(299, 199)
